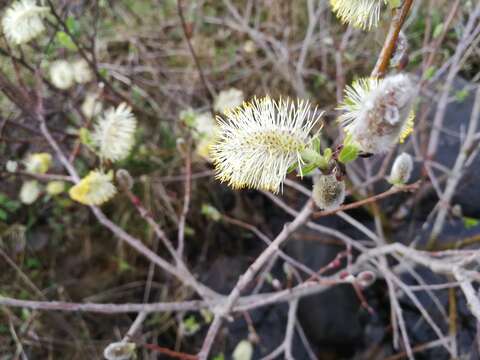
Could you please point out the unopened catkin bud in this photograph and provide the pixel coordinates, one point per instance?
(119, 351)
(55, 187)
(30, 192)
(243, 351)
(366, 278)
(11, 166)
(328, 192)
(124, 179)
(401, 169)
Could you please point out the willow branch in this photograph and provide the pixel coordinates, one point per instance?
(399, 17)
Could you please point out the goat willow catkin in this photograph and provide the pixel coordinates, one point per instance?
(363, 14)
(30, 192)
(228, 100)
(62, 74)
(401, 170)
(38, 163)
(81, 71)
(259, 141)
(55, 187)
(114, 134)
(328, 192)
(378, 112)
(23, 21)
(91, 106)
(94, 189)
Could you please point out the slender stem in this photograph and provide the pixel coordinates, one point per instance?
(186, 202)
(292, 318)
(187, 34)
(399, 17)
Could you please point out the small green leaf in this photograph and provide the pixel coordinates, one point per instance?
(103, 73)
(327, 154)
(64, 39)
(429, 72)
(310, 156)
(217, 357)
(190, 325)
(469, 222)
(316, 144)
(3, 198)
(211, 212)
(308, 169)
(72, 25)
(394, 4)
(12, 205)
(85, 137)
(461, 95)
(3, 215)
(189, 231)
(32, 263)
(207, 315)
(348, 154)
(438, 30)
(123, 265)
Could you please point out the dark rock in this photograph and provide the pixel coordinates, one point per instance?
(331, 319)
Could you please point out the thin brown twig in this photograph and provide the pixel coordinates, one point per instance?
(187, 35)
(392, 191)
(41, 177)
(399, 17)
(186, 202)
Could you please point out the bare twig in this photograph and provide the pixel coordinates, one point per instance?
(186, 203)
(187, 34)
(399, 17)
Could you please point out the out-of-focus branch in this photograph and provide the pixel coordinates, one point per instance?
(201, 73)
(458, 169)
(186, 201)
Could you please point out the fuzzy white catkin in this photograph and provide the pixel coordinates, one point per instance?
(55, 187)
(23, 21)
(258, 142)
(119, 351)
(243, 351)
(38, 163)
(114, 133)
(363, 14)
(91, 105)
(29, 192)
(328, 193)
(11, 166)
(94, 189)
(228, 100)
(378, 112)
(61, 74)
(401, 169)
(81, 71)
